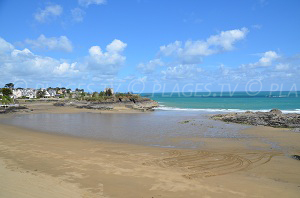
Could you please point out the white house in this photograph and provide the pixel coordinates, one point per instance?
(28, 93)
(17, 93)
(52, 92)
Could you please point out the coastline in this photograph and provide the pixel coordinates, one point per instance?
(90, 168)
(48, 107)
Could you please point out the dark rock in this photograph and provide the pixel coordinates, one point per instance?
(274, 118)
(276, 111)
(12, 109)
(296, 157)
(59, 104)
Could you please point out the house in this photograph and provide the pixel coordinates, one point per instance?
(24, 93)
(52, 92)
(59, 92)
(30, 93)
(18, 93)
(46, 94)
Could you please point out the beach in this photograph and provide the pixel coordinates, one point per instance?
(256, 163)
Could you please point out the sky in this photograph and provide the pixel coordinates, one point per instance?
(151, 45)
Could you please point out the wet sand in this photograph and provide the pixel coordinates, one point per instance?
(38, 164)
(47, 107)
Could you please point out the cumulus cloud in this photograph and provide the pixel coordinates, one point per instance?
(182, 72)
(50, 11)
(22, 63)
(116, 46)
(149, 67)
(86, 3)
(61, 43)
(110, 61)
(77, 14)
(66, 68)
(266, 60)
(5, 46)
(191, 52)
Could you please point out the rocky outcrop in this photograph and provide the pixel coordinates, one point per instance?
(98, 107)
(274, 118)
(12, 109)
(142, 104)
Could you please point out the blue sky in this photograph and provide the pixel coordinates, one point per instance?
(151, 45)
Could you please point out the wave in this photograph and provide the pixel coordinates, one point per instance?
(164, 108)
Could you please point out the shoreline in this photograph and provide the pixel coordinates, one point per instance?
(59, 165)
(48, 107)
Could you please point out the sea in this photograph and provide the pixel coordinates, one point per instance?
(214, 102)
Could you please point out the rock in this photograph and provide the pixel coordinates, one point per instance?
(274, 118)
(296, 157)
(143, 104)
(12, 109)
(276, 111)
(59, 104)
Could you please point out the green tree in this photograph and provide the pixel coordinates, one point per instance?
(5, 100)
(40, 93)
(9, 85)
(109, 92)
(95, 94)
(6, 91)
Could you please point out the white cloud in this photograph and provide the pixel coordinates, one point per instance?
(77, 14)
(226, 39)
(108, 62)
(25, 52)
(86, 3)
(53, 43)
(265, 61)
(171, 48)
(116, 46)
(182, 72)
(193, 51)
(24, 63)
(64, 68)
(5, 46)
(50, 11)
(282, 67)
(268, 58)
(147, 68)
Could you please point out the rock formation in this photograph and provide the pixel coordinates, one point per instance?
(274, 118)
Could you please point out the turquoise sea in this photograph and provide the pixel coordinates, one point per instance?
(288, 102)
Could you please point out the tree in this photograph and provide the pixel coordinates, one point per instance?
(95, 94)
(102, 93)
(109, 92)
(6, 91)
(9, 85)
(6, 100)
(40, 93)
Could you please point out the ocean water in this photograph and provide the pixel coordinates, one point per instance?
(288, 102)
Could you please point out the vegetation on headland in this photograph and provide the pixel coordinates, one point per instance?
(5, 98)
(104, 97)
(8, 93)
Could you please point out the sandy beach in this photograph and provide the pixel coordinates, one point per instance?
(39, 164)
